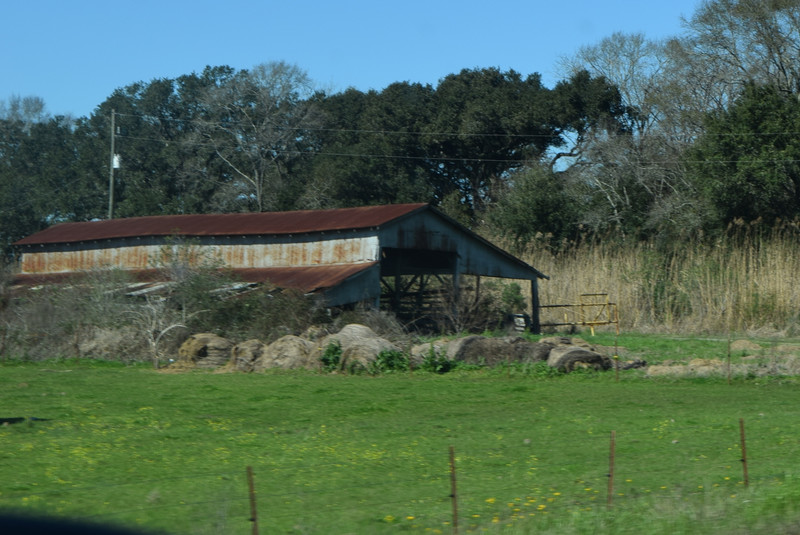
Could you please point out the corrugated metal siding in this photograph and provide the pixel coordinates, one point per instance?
(261, 255)
(432, 231)
(324, 252)
(306, 279)
(134, 258)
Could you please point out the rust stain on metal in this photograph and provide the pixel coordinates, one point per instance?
(86, 259)
(249, 224)
(251, 256)
(306, 278)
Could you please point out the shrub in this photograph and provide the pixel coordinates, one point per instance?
(331, 358)
(512, 298)
(435, 362)
(543, 370)
(389, 361)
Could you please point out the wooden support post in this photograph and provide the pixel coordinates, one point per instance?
(610, 496)
(252, 490)
(729, 357)
(454, 490)
(456, 292)
(744, 453)
(536, 324)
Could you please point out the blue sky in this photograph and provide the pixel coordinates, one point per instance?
(74, 53)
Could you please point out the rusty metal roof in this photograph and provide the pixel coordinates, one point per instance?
(306, 279)
(240, 224)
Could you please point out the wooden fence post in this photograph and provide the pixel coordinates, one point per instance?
(616, 352)
(744, 453)
(610, 495)
(252, 490)
(453, 489)
(729, 357)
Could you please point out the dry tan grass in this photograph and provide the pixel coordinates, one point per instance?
(744, 282)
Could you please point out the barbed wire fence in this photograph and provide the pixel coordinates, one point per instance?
(463, 488)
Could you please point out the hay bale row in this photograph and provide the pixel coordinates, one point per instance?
(360, 346)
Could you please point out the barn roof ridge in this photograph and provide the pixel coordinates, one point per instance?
(224, 224)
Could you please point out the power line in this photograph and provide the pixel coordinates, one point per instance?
(520, 161)
(419, 133)
(344, 130)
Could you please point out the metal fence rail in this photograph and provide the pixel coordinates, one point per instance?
(593, 309)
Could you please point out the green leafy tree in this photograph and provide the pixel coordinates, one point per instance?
(38, 181)
(18, 214)
(487, 123)
(588, 108)
(746, 163)
(165, 167)
(536, 203)
(373, 151)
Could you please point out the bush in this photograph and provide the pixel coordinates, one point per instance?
(331, 358)
(389, 361)
(543, 370)
(435, 362)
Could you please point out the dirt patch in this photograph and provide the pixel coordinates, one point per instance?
(745, 346)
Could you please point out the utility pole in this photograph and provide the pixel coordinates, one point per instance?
(111, 164)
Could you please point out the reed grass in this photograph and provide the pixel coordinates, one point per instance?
(743, 282)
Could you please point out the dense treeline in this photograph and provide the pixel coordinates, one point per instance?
(663, 140)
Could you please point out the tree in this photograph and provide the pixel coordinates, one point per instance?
(634, 179)
(372, 149)
(261, 123)
(588, 109)
(165, 166)
(27, 110)
(487, 123)
(636, 186)
(536, 203)
(490, 124)
(728, 44)
(18, 215)
(38, 182)
(747, 162)
(635, 66)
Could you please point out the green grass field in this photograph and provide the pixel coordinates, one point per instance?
(358, 454)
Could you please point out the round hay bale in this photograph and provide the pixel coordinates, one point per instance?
(706, 367)
(359, 355)
(314, 332)
(565, 341)
(526, 352)
(660, 370)
(459, 347)
(349, 334)
(205, 350)
(569, 358)
(245, 354)
(420, 352)
(480, 350)
(287, 352)
(788, 348)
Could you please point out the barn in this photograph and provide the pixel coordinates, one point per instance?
(383, 255)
